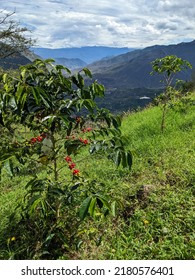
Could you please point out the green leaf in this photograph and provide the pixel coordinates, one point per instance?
(124, 159)
(34, 202)
(61, 67)
(44, 101)
(5, 78)
(84, 208)
(49, 61)
(8, 166)
(129, 159)
(92, 206)
(103, 200)
(81, 81)
(19, 92)
(99, 203)
(113, 208)
(31, 182)
(116, 122)
(118, 158)
(36, 95)
(87, 72)
(49, 237)
(23, 72)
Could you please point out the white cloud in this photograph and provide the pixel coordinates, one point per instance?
(129, 23)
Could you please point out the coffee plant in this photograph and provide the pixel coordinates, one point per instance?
(47, 117)
(168, 67)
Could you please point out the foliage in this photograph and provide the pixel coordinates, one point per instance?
(54, 109)
(155, 224)
(168, 67)
(156, 219)
(12, 36)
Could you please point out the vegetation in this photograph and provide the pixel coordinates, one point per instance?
(157, 216)
(65, 166)
(43, 105)
(12, 36)
(168, 67)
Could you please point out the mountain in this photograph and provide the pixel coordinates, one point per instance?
(14, 61)
(86, 54)
(127, 78)
(71, 63)
(132, 70)
(124, 72)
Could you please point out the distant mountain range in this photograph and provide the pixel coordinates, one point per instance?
(71, 63)
(86, 54)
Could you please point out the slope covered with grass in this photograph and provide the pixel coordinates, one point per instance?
(155, 217)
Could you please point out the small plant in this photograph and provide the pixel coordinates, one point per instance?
(56, 108)
(168, 67)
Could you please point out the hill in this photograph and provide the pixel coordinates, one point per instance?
(13, 62)
(132, 70)
(127, 77)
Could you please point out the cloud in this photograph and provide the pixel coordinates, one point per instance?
(140, 23)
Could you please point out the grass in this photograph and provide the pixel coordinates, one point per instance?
(155, 217)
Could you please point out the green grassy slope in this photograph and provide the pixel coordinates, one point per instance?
(155, 217)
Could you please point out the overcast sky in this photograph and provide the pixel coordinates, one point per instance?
(118, 23)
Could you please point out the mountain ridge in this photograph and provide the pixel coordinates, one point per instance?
(86, 54)
(127, 78)
(132, 70)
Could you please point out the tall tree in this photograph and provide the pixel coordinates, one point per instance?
(12, 36)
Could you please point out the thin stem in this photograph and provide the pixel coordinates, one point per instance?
(163, 118)
(54, 158)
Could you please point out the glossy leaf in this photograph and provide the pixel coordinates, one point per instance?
(84, 208)
(92, 206)
(87, 72)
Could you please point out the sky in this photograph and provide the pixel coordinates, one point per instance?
(114, 23)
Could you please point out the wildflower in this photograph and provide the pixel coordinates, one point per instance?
(146, 222)
(68, 159)
(13, 238)
(89, 129)
(72, 165)
(76, 172)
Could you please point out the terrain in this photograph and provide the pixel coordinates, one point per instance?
(126, 76)
(155, 199)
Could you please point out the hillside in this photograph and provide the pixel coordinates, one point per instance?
(155, 199)
(71, 63)
(13, 62)
(156, 217)
(132, 70)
